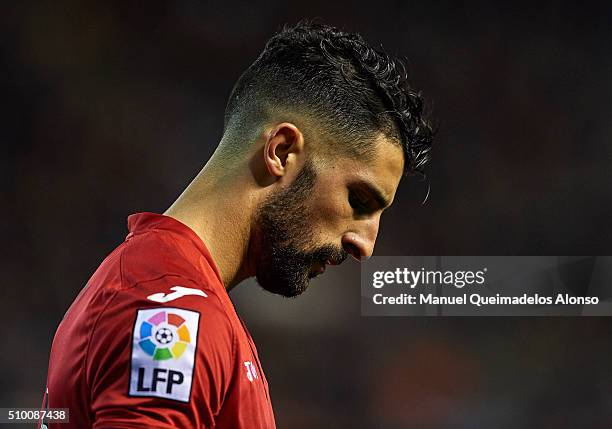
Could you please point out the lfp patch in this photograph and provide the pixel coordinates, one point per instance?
(163, 353)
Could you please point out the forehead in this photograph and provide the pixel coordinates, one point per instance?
(383, 169)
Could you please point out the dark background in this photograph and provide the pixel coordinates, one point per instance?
(109, 109)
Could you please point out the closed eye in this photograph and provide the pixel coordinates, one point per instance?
(359, 202)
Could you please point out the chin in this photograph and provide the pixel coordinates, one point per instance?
(284, 287)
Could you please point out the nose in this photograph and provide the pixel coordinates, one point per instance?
(359, 242)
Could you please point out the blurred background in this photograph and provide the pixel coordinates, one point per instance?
(111, 108)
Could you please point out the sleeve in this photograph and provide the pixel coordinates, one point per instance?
(161, 355)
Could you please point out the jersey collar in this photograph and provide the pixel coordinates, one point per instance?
(139, 223)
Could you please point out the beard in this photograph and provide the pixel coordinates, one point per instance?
(287, 250)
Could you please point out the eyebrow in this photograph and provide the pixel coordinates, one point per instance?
(378, 195)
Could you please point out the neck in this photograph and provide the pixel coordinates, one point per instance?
(219, 211)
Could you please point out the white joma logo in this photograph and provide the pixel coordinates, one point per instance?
(251, 373)
(179, 291)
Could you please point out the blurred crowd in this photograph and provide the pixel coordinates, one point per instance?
(111, 108)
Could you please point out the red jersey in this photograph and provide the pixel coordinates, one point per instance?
(153, 340)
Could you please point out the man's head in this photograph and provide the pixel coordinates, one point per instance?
(337, 125)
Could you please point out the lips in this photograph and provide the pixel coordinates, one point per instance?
(317, 269)
(319, 266)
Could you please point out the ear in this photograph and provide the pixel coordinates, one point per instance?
(283, 149)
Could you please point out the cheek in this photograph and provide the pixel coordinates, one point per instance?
(328, 217)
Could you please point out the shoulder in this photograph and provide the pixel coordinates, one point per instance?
(154, 254)
(168, 324)
(159, 254)
(157, 270)
(169, 292)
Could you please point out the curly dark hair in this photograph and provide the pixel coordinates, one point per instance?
(353, 91)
